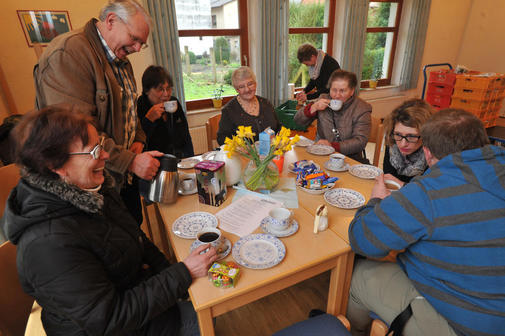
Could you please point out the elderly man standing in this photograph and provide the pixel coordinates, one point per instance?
(89, 67)
(450, 222)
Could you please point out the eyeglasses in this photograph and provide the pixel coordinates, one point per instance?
(409, 137)
(161, 89)
(95, 152)
(134, 38)
(250, 85)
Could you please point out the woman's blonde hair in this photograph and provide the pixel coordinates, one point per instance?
(412, 113)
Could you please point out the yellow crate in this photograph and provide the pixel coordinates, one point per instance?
(471, 93)
(470, 103)
(476, 81)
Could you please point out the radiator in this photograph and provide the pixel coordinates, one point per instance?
(199, 137)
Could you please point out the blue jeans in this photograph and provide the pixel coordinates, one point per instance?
(189, 320)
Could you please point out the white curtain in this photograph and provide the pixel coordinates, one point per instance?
(353, 42)
(273, 83)
(415, 44)
(166, 41)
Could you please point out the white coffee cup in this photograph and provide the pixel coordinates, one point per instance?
(210, 235)
(281, 219)
(188, 184)
(392, 185)
(170, 106)
(337, 160)
(335, 104)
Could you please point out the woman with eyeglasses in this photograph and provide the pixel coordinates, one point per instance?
(404, 156)
(246, 109)
(80, 253)
(167, 131)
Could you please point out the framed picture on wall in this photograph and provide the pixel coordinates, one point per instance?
(41, 26)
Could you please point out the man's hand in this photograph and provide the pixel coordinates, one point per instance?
(301, 97)
(145, 165)
(137, 147)
(323, 142)
(379, 189)
(199, 264)
(155, 112)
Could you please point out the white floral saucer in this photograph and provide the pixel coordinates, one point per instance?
(364, 171)
(267, 228)
(344, 198)
(331, 167)
(226, 249)
(258, 251)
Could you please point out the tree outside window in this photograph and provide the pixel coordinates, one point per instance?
(380, 46)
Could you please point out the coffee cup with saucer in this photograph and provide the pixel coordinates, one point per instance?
(187, 184)
(336, 162)
(214, 237)
(279, 223)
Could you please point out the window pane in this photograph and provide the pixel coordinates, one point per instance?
(201, 77)
(308, 13)
(377, 54)
(382, 14)
(298, 73)
(206, 14)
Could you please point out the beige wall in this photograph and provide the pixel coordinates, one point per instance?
(17, 59)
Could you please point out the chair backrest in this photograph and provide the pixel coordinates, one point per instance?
(15, 305)
(377, 137)
(211, 127)
(9, 177)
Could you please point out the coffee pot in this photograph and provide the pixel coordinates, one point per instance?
(164, 187)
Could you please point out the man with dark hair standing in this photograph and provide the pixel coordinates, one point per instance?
(89, 67)
(450, 223)
(321, 66)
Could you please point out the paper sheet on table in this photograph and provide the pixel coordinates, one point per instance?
(284, 193)
(244, 216)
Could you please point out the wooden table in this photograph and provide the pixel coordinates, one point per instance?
(307, 254)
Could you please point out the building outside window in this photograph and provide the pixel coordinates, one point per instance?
(213, 42)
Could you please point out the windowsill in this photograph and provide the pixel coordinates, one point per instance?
(382, 92)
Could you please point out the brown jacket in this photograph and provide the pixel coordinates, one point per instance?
(74, 69)
(353, 122)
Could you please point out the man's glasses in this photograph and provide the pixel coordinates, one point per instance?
(409, 137)
(95, 152)
(250, 85)
(134, 38)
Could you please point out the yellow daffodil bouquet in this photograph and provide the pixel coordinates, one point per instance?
(261, 175)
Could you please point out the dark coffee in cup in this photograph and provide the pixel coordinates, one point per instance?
(208, 237)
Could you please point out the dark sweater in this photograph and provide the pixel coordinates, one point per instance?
(233, 116)
(170, 136)
(320, 83)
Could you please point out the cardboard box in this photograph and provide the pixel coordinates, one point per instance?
(211, 182)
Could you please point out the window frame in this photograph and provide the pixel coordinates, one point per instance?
(242, 31)
(395, 30)
(329, 30)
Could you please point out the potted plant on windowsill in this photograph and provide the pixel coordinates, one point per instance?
(376, 76)
(217, 96)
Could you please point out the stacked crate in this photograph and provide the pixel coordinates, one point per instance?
(440, 88)
(480, 94)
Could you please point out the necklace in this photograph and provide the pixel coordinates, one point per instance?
(251, 108)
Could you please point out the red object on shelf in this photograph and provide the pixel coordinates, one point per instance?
(447, 77)
(439, 101)
(440, 89)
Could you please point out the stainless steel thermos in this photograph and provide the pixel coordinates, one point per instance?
(164, 186)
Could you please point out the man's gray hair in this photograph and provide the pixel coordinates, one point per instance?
(124, 9)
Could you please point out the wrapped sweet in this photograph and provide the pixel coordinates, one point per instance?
(224, 275)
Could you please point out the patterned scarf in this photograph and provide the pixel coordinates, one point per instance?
(411, 165)
(314, 70)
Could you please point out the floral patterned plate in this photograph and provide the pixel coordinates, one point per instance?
(258, 251)
(364, 171)
(304, 142)
(344, 198)
(320, 150)
(188, 225)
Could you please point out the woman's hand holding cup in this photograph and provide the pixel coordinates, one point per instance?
(319, 105)
(155, 112)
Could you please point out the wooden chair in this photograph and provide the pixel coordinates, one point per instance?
(377, 137)
(211, 126)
